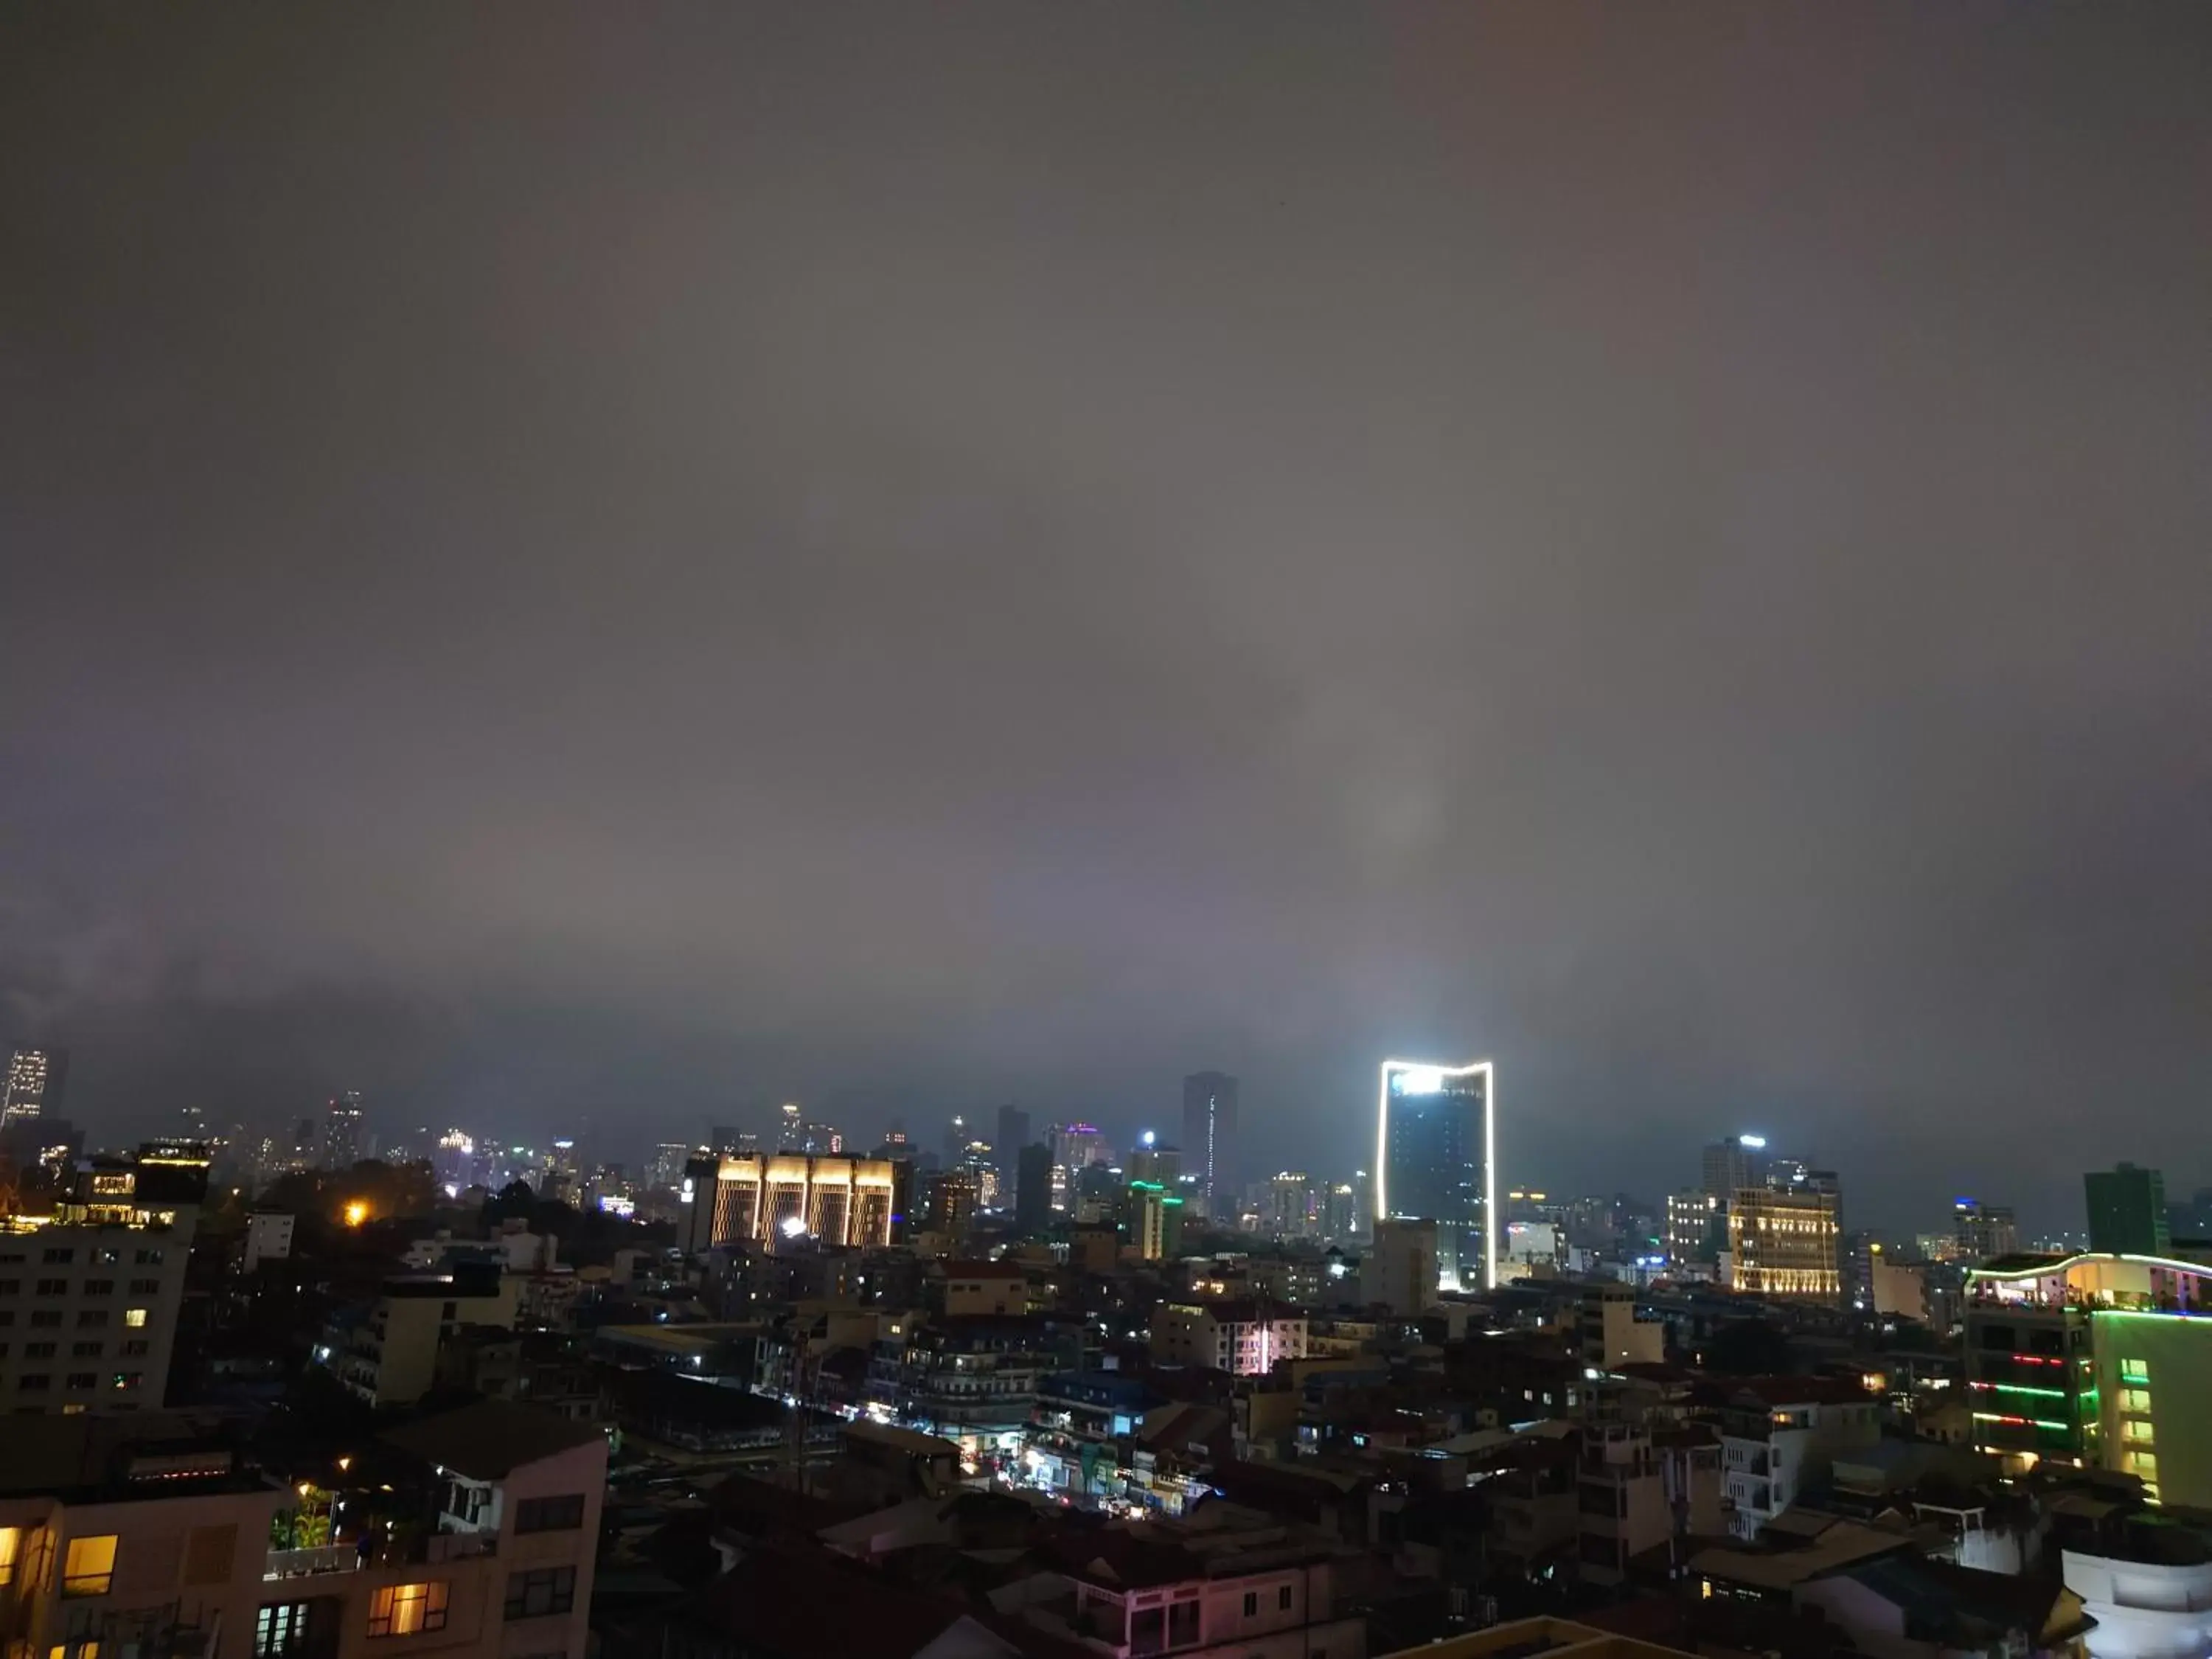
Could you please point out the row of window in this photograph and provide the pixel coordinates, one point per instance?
(87, 1319)
(90, 1287)
(130, 1349)
(61, 1255)
(43, 1382)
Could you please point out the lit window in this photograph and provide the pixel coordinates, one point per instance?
(280, 1629)
(89, 1566)
(2135, 1372)
(11, 1545)
(2139, 1430)
(404, 1609)
(135, 1317)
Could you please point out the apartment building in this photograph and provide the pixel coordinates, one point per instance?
(1780, 1440)
(1242, 1337)
(1265, 1593)
(123, 1535)
(385, 1351)
(1640, 1490)
(91, 1283)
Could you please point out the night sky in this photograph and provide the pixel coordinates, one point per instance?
(591, 569)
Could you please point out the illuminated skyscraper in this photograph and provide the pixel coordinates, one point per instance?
(33, 1086)
(1209, 1133)
(344, 1130)
(1435, 1161)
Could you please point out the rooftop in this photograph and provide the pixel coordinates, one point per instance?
(492, 1438)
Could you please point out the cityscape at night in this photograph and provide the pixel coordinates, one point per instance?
(1001, 831)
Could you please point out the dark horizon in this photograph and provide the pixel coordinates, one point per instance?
(573, 569)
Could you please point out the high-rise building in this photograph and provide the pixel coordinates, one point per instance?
(1209, 1133)
(1075, 1147)
(793, 1196)
(666, 1169)
(1696, 1228)
(791, 1128)
(1984, 1231)
(1289, 1204)
(2127, 1211)
(1340, 1212)
(1435, 1141)
(1151, 1161)
(1732, 1165)
(1013, 1136)
(344, 1133)
(948, 1202)
(1033, 1188)
(35, 1082)
(1785, 1242)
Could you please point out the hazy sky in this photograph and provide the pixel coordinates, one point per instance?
(594, 568)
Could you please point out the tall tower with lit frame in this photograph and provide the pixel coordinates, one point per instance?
(1436, 1160)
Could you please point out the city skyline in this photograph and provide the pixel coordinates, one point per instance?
(569, 574)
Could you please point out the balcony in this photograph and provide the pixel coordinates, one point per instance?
(433, 1550)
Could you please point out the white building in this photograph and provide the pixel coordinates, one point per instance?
(1781, 1433)
(2144, 1608)
(268, 1237)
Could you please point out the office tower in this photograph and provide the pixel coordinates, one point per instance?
(94, 1283)
(1152, 1162)
(956, 1141)
(664, 1170)
(733, 1142)
(1696, 1229)
(344, 1132)
(789, 1197)
(1435, 1139)
(1033, 1173)
(1984, 1231)
(1400, 1270)
(2127, 1211)
(1075, 1147)
(1731, 1164)
(1013, 1136)
(1340, 1212)
(790, 1131)
(1785, 1243)
(34, 1083)
(1290, 1206)
(1209, 1133)
(949, 1203)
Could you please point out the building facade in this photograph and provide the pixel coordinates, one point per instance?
(1435, 1139)
(2127, 1211)
(1244, 1339)
(1209, 1135)
(1785, 1242)
(795, 1196)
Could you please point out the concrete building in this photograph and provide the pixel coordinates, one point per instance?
(1033, 1188)
(2150, 1595)
(1638, 1492)
(1896, 1289)
(386, 1352)
(344, 1133)
(1244, 1339)
(1728, 1166)
(2127, 1211)
(268, 1237)
(985, 1287)
(970, 1378)
(156, 1539)
(1209, 1594)
(1696, 1229)
(1400, 1269)
(1983, 1231)
(1612, 1334)
(1779, 1439)
(89, 1289)
(1785, 1243)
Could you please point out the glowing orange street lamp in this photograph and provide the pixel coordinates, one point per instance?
(355, 1212)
